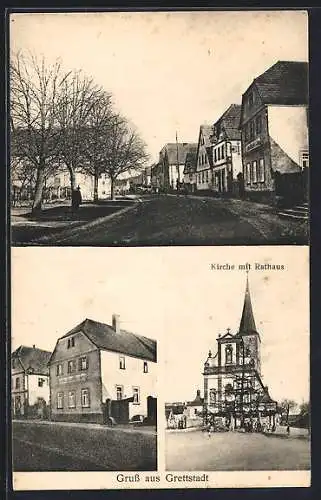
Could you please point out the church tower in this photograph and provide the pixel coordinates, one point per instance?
(251, 342)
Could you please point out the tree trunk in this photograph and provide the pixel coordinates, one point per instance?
(112, 188)
(72, 177)
(96, 178)
(37, 202)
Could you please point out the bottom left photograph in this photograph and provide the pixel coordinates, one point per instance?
(83, 375)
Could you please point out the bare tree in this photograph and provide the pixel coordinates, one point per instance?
(124, 150)
(33, 97)
(77, 97)
(95, 138)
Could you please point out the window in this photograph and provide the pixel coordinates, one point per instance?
(59, 369)
(119, 392)
(71, 342)
(228, 354)
(195, 411)
(18, 383)
(85, 400)
(223, 152)
(213, 396)
(83, 363)
(71, 399)
(122, 363)
(252, 131)
(254, 171)
(215, 155)
(71, 366)
(203, 177)
(218, 154)
(41, 382)
(248, 173)
(60, 400)
(228, 149)
(205, 159)
(304, 159)
(206, 175)
(261, 175)
(145, 367)
(136, 396)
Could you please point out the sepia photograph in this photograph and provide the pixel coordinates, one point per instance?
(121, 134)
(84, 378)
(241, 399)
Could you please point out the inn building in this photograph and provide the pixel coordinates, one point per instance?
(102, 373)
(274, 131)
(233, 386)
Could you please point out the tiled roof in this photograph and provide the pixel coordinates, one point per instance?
(229, 121)
(286, 82)
(124, 342)
(33, 359)
(182, 147)
(190, 161)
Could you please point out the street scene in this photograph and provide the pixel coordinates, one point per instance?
(88, 168)
(83, 397)
(236, 421)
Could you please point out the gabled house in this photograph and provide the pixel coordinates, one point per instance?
(204, 159)
(233, 387)
(29, 382)
(226, 151)
(102, 373)
(274, 128)
(190, 171)
(171, 164)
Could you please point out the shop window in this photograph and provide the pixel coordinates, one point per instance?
(261, 176)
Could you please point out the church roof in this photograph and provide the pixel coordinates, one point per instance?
(247, 324)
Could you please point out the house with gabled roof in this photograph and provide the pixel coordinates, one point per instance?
(171, 164)
(233, 386)
(204, 161)
(103, 373)
(274, 130)
(190, 171)
(226, 151)
(29, 381)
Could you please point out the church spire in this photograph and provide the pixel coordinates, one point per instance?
(247, 324)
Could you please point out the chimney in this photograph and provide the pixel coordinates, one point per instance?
(116, 323)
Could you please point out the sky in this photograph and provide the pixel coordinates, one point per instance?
(170, 294)
(168, 72)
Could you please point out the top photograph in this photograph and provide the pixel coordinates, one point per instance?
(158, 128)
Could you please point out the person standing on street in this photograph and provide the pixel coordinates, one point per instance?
(76, 199)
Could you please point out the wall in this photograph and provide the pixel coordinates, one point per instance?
(34, 391)
(203, 165)
(173, 174)
(132, 375)
(79, 379)
(19, 396)
(288, 127)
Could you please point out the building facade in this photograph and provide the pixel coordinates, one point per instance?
(101, 373)
(204, 159)
(274, 128)
(233, 387)
(190, 171)
(169, 172)
(29, 382)
(226, 152)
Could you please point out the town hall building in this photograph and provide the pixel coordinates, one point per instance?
(233, 387)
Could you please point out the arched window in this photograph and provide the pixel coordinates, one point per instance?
(228, 354)
(213, 396)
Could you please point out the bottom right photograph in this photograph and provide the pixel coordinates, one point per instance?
(241, 399)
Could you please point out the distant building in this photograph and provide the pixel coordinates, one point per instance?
(226, 150)
(102, 373)
(233, 387)
(190, 171)
(274, 127)
(170, 167)
(204, 159)
(29, 382)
